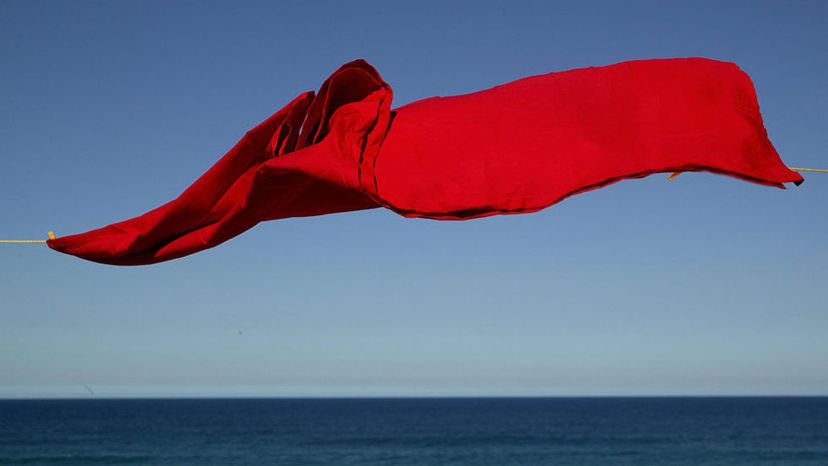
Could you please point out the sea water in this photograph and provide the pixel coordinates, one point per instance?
(417, 431)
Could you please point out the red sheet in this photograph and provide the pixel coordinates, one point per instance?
(514, 148)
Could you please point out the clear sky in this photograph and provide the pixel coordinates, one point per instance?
(706, 285)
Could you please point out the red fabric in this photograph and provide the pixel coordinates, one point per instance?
(518, 147)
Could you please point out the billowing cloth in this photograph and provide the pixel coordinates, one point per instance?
(514, 148)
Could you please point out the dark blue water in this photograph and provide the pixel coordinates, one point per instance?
(428, 431)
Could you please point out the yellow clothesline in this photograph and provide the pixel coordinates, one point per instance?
(674, 175)
(671, 177)
(51, 236)
(815, 170)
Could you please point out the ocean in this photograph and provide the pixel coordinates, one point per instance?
(417, 431)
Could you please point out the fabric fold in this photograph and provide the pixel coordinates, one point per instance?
(287, 166)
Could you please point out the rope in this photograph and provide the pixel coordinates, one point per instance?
(674, 175)
(815, 170)
(18, 241)
(670, 177)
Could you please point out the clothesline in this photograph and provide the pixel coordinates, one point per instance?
(816, 170)
(675, 175)
(51, 236)
(671, 177)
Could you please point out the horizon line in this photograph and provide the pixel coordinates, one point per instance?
(394, 397)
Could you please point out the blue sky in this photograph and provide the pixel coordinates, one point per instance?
(706, 285)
